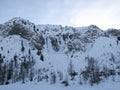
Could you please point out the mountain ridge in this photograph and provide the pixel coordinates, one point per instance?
(54, 53)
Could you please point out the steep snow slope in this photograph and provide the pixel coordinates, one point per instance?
(106, 51)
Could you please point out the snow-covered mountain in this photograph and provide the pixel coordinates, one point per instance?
(57, 54)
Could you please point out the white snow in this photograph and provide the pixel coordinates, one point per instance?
(104, 45)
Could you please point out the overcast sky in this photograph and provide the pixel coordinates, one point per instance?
(103, 13)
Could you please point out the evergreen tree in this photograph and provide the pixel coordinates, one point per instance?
(53, 78)
(22, 46)
(42, 57)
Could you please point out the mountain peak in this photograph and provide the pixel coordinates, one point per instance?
(18, 19)
(93, 27)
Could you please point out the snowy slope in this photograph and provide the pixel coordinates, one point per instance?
(106, 50)
(57, 54)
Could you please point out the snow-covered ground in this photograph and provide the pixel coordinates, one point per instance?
(44, 86)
